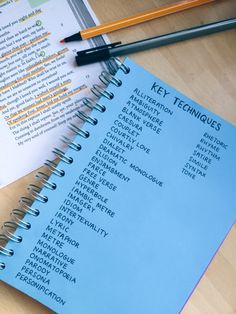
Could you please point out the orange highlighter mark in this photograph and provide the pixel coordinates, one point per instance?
(48, 59)
(25, 77)
(26, 45)
(2, 108)
(37, 104)
(48, 105)
(52, 90)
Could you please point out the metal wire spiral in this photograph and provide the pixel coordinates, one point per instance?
(26, 204)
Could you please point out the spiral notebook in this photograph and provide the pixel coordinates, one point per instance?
(136, 209)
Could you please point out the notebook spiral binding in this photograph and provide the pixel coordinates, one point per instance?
(25, 203)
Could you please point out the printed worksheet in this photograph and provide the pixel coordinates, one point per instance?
(41, 88)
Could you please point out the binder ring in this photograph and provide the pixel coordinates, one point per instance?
(53, 168)
(62, 156)
(35, 192)
(2, 265)
(86, 118)
(120, 65)
(25, 204)
(106, 78)
(70, 143)
(3, 250)
(11, 235)
(43, 178)
(78, 131)
(112, 65)
(98, 91)
(93, 105)
(18, 215)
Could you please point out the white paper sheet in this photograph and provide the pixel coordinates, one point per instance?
(40, 86)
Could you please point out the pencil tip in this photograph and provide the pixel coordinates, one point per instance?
(62, 41)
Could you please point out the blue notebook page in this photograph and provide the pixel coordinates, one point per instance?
(141, 211)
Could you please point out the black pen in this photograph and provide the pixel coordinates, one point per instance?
(113, 50)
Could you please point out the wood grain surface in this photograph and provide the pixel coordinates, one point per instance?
(205, 70)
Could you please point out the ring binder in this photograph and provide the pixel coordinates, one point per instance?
(52, 166)
(70, 143)
(25, 203)
(34, 190)
(44, 179)
(98, 91)
(62, 156)
(78, 131)
(18, 216)
(93, 105)
(113, 65)
(3, 250)
(86, 118)
(117, 64)
(107, 78)
(10, 235)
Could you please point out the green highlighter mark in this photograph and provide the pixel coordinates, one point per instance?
(36, 3)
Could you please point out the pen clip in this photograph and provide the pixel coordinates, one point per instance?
(95, 54)
(98, 48)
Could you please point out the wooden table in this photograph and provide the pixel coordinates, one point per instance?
(205, 70)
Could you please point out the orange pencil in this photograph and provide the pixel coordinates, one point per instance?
(135, 19)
